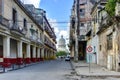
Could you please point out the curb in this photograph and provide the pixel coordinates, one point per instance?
(73, 68)
(99, 76)
(90, 75)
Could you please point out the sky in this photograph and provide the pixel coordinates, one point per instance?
(56, 11)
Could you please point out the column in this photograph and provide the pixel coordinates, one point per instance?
(27, 60)
(20, 54)
(6, 47)
(42, 54)
(47, 54)
(19, 46)
(6, 52)
(34, 54)
(50, 55)
(38, 54)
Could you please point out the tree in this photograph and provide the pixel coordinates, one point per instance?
(110, 7)
(61, 53)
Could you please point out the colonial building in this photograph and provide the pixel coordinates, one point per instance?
(83, 13)
(23, 34)
(62, 45)
(104, 36)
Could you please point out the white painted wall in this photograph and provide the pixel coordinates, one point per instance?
(93, 57)
(95, 43)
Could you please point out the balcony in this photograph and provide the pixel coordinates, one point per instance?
(4, 22)
(17, 30)
(73, 23)
(54, 47)
(104, 24)
(33, 38)
(47, 29)
(72, 40)
(82, 38)
(39, 41)
(48, 42)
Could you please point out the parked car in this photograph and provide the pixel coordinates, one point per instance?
(67, 58)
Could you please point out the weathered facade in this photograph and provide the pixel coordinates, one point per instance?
(106, 31)
(84, 22)
(22, 34)
(102, 33)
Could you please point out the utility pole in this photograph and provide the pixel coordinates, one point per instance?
(77, 31)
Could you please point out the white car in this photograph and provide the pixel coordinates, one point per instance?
(67, 58)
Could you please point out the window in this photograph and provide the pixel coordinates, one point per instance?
(100, 47)
(41, 36)
(14, 16)
(109, 41)
(82, 10)
(82, 15)
(82, 24)
(25, 23)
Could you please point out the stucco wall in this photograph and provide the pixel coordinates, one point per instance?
(96, 47)
(8, 7)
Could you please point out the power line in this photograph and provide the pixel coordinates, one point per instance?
(59, 22)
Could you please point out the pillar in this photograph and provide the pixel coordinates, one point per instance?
(34, 54)
(20, 54)
(6, 52)
(38, 54)
(42, 54)
(6, 47)
(27, 59)
(19, 44)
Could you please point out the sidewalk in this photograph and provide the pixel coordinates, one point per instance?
(82, 69)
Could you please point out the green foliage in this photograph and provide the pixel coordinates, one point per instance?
(61, 53)
(110, 7)
(118, 1)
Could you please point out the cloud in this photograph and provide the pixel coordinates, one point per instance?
(34, 2)
(64, 33)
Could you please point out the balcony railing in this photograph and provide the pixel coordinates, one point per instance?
(40, 41)
(17, 29)
(105, 23)
(4, 22)
(82, 38)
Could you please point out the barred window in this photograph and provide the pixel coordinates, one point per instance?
(109, 41)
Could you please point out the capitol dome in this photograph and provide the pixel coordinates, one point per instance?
(61, 41)
(62, 45)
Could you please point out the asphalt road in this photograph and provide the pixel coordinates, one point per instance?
(46, 70)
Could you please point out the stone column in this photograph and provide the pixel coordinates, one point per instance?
(34, 54)
(6, 47)
(27, 60)
(6, 52)
(42, 54)
(19, 46)
(38, 54)
(20, 54)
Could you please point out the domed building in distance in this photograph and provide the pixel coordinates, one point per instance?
(62, 45)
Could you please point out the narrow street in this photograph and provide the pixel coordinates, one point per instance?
(47, 70)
